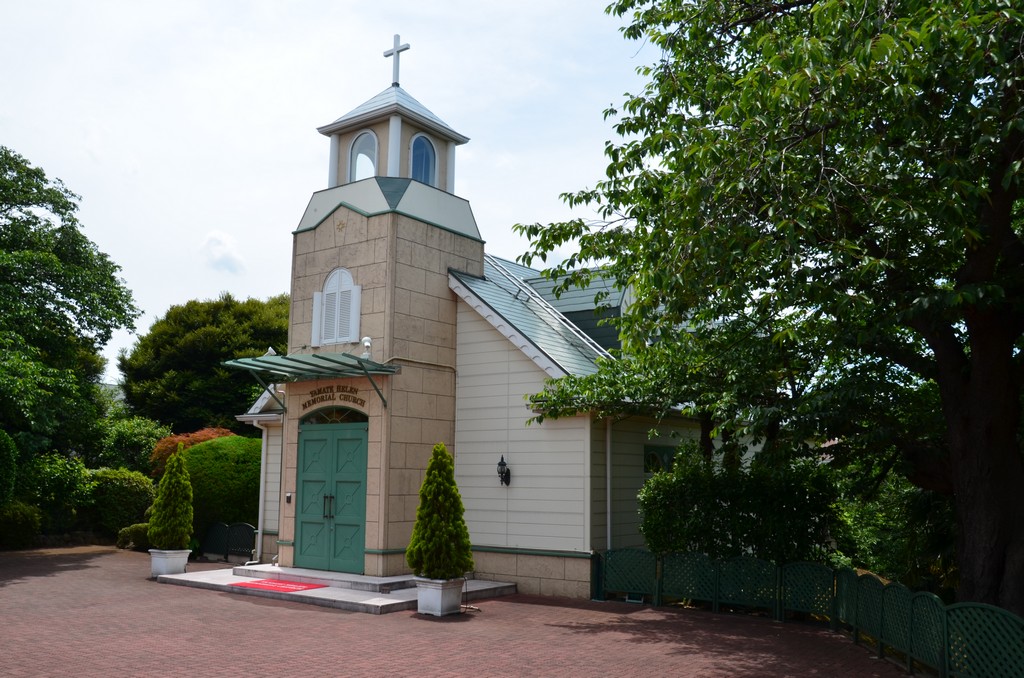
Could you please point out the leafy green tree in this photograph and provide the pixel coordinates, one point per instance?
(60, 301)
(128, 442)
(845, 178)
(58, 486)
(439, 547)
(174, 373)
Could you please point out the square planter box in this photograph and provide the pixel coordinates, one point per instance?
(439, 597)
(168, 562)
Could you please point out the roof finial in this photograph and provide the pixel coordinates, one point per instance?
(395, 52)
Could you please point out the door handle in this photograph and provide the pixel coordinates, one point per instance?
(331, 515)
(325, 506)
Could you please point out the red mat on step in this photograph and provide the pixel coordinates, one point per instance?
(277, 585)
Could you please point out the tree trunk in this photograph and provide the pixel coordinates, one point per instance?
(990, 523)
(982, 412)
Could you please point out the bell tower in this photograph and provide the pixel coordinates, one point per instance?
(392, 135)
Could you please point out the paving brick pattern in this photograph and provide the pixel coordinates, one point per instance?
(92, 611)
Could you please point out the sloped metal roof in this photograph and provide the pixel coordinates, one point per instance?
(578, 299)
(525, 318)
(393, 100)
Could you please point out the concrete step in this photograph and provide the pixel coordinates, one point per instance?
(343, 580)
(356, 593)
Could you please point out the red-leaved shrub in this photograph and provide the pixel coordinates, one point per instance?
(165, 447)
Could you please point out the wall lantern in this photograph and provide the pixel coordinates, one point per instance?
(504, 473)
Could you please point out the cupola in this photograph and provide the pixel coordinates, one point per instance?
(392, 135)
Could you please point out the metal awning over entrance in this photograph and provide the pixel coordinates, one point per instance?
(268, 369)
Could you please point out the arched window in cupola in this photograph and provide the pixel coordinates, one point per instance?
(336, 310)
(424, 160)
(362, 162)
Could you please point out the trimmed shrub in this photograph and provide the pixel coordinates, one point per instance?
(225, 474)
(170, 523)
(440, 546)
(120, 497)
(780, 514)
(165, 447)
(135, 537)
(19, 525)
(8, 467)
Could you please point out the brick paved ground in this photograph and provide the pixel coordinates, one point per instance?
(92, 611)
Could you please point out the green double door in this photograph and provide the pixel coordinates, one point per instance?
(330, 521)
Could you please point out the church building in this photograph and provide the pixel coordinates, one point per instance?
(404, 332)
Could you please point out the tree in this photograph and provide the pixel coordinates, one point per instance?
(60, 301)
(170, 525)
(128, 443)
(439, 547)
(174, 374)
(852, 174)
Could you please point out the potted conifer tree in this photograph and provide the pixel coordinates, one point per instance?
(170, 523)
(439, 551)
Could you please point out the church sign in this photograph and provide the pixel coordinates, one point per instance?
(339, 393)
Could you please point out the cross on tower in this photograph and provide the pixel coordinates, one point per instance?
(395, 52)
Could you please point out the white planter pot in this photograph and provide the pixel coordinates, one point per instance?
(168, 562)
(439, 597)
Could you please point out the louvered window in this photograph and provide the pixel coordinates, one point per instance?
(336, 310)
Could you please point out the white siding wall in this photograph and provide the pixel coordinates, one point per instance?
(272, 497)
(545, 507)
(629, 437)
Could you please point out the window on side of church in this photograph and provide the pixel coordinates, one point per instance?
(424, 160)
(336, 310)
(658, 458)
(363, 158)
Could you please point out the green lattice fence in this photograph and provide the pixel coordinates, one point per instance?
(895, 631)
(807, 587)
(631, 571)
(967, 640)
(689, 576)
(869, 607)
(927, 630)
(749, 582)
(983, 640)
(846, 598)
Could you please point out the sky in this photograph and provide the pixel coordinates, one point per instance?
(189, 128)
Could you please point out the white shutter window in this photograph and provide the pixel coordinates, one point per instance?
(330, 321)
(348, 315)
(338, 310)
(344, 317)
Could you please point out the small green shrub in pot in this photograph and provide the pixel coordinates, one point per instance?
(170, 524)
(440, 546)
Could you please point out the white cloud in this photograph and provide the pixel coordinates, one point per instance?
(221, 253)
